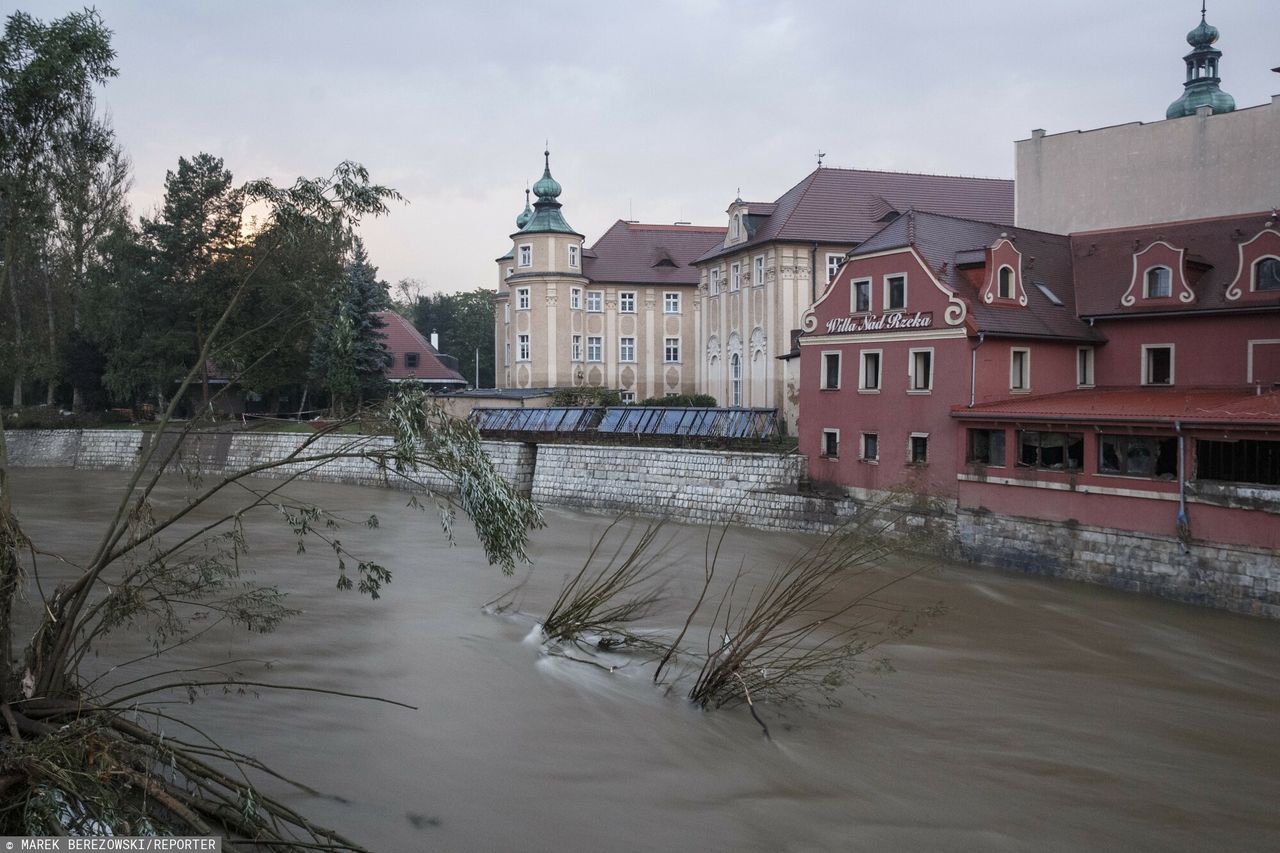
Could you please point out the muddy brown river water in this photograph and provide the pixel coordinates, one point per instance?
(1035, 716)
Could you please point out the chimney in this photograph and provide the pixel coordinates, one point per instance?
(435, 340)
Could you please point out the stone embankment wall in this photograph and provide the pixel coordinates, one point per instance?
(751, 489)
(214, 452)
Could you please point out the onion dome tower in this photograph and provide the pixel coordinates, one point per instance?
(525, 215)
(546, 210)
(1201, 88)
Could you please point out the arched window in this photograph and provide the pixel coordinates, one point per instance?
(1006, 283)
(1266, 274)
(735, 380)
(1159, 283)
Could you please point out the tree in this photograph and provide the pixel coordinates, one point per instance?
(464, 322)
(46, 71)
(151, 568)
(349, 358)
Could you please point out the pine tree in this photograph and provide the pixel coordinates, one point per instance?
(350, 359)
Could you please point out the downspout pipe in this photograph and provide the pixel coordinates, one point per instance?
(1184, 523)
(973, 368)
(813, 274)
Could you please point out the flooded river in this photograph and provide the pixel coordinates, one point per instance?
(1035, 716)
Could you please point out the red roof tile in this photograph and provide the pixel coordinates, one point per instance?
(400, 337)
(632, 253)
(1239, 406)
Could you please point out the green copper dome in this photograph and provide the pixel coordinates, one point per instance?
(1203, 35)
(523, 219)
(546, 210)
(1201, 88)
(547, 186)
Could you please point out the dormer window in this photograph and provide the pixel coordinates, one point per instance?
(1158, 283)
(411, 360)
(735, 226)
(1005, 287)
(1266, 274)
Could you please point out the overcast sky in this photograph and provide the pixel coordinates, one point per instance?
(657, 111)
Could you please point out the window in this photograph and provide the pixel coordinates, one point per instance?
(1157, 364)
(628, 397)
(1084, 367)
(627, 302)
(573, 256)
(526, 256)
(1020, 370)
(595, 348)
(671, 303)
(575, 298)
(735, 380)
(735, 276)
(830, 371)
(575, 348)
(920, 370)
(870, 447)
(869, 370)
(1158, 283)
(1245, 461)
(757, 276)
(714, 286)
(1005, 287)
(506, 353)
(411, 360)
(895, 292)
(522, 298)
(861, 297)
(1138, 456)
(595, 301)
(918, 448)
(671, 350)
(522, 347)
(735, 226)
(833, 266)
(831, 443)
(986, 447)
(1266, 274)
(626, 349)
(1055, 451)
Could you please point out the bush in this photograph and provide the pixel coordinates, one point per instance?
(586, 397)
(51, 417)
(682, 401)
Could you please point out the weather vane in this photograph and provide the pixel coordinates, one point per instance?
(821, 154)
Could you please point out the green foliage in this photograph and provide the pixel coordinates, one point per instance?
(51, 417)
(348, 356)
(464, 322)
(586, 396)
(681, 401)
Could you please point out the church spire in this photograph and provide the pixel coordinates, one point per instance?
(1201, 88)
(546, 210)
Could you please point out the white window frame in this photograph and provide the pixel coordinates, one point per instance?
(822, 380)
(596, 343)
(757, 272)
(573, 256)
(626, 349)
(1019, 382)
(1085, 359)
(735, 277)
(911, 440)
(853, 296)
(1013, 282)
(1146, 365)
(1253, 273)
(627, 397)
(671, 351)
(822, 451)
(626, 302)
(671, 302)
(735, 380)
(735, 226)
(862, 448)
(525, 254)
(1146, 282)
(595, 301)
(575, 298)
(713, 282)
(575, 348)
(913, 386)
(524, 347)
(523, 301)
(863, 387)
(888, 306)
(833, 266)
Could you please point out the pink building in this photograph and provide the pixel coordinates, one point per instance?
(1126, 379)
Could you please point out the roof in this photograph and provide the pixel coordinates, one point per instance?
(846, 206)
(400, 338)
(1104, 263)
(945, 242)
(632, 253)
(1239, 406)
